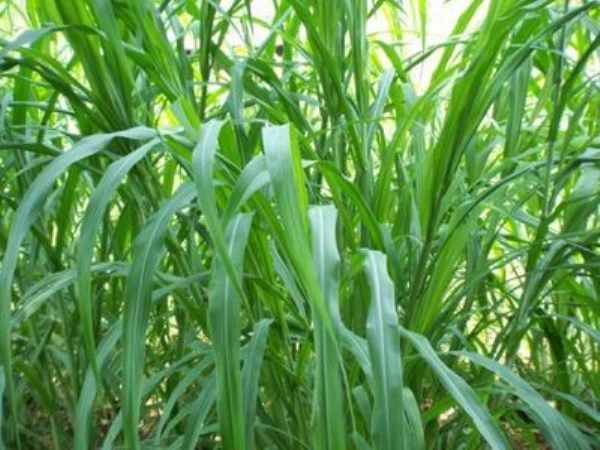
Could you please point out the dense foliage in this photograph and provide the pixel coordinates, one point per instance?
(262, 225)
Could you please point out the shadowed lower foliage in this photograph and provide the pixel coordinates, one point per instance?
(236, 224)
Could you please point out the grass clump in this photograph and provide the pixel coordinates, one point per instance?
(258, 225)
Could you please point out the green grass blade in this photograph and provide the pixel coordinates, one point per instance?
(2, 386)
(559, 432)
(414, 425)
(383, 340)
(199, 413)
(224, 323)
(38, 294)
(378, 105)
(91, 221)
(460, 391)
(190, 377)
(251, 375)
(287, 180)
(85, 403)
(203, 160)
(328, 385)
(253, 177)
(285, 168)
(342, 187)
(147, 252)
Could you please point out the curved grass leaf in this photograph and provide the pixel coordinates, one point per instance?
(203, 159)
(328, 384)
(383, 339)
(85, 404)
(559, 432)
(414, 425)
(91, 221)
(147, 252)
(199, 413)
(51, 284)
(460, 391)
(287, 180)
(251, 374)
(224, 323)
(193, 375)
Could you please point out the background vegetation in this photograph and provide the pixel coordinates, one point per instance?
(265, 225)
